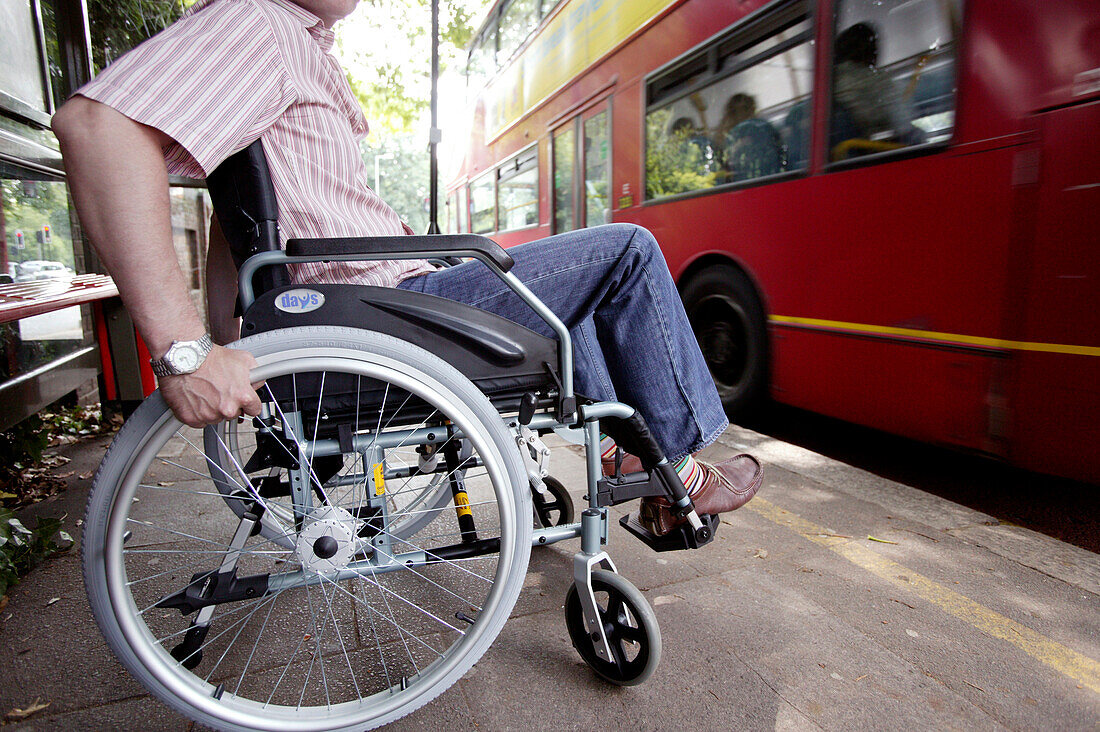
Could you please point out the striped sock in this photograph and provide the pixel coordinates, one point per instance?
(607, 447)
(690, 473)
(687, 468)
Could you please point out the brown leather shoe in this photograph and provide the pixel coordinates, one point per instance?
(727, 486)
(630, 464)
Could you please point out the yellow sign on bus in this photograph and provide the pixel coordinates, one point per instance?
(582, 33)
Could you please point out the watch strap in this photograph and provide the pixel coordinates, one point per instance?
(164, 367)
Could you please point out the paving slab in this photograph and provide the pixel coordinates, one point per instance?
(792, 619)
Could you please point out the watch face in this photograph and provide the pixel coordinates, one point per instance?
(185, 358)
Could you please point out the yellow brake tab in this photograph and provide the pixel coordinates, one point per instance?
(379, 480)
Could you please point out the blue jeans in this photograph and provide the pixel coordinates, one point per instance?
(631, 338)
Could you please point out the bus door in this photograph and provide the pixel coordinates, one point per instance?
(581, 169)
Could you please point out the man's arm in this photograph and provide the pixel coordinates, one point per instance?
(119, 183)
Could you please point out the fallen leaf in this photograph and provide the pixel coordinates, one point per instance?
(760, 554)
(85, 476)
(36, 706)
(3, 602)
(880, 541)
(912, 633)
(52, 600)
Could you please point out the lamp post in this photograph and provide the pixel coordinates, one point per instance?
(434, 136)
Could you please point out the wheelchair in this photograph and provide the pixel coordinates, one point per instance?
(342, 559)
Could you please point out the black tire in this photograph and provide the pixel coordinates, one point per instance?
(557, 510)
(629, 624)
(728, 320)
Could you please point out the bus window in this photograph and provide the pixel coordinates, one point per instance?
(565, 149)
(482, 200)
(518, 191)
(893, 75)
(596, 170)
(518, 20)
(461, 211)
(742, 115)
(482, 62)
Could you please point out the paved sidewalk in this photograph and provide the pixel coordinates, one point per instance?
(792, 619)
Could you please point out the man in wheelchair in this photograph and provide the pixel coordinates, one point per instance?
(384, 499)
(235, 71)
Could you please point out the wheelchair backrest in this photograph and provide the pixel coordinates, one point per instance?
(248, 213)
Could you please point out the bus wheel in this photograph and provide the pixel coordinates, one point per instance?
(728, 321)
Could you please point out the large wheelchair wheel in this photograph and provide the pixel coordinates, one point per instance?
(338, 622)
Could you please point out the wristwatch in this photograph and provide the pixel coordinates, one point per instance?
(183, 357)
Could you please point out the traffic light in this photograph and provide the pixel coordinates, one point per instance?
(46, 233)
(19, 240)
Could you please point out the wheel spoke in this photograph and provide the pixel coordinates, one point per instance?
(283, 630)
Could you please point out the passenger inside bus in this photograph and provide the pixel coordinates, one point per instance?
(866, 100)
(696, 148)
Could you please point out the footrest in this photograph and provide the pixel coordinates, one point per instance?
(682, 537)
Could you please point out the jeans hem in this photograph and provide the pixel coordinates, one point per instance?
(701, 443)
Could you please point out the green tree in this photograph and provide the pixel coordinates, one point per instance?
(119, 25)
(672, 163)
(386, 49)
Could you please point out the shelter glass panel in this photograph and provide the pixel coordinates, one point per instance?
(38, 252)
(21, 71)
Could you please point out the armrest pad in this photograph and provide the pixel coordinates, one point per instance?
(410, 247)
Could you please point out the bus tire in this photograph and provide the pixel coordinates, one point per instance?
(728, 320)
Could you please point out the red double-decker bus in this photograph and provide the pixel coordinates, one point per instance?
(880, 210)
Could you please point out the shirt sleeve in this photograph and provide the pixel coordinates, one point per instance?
(213, 81)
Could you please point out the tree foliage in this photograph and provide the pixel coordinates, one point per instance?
(119, 25)
(386, 49)
(672, 163)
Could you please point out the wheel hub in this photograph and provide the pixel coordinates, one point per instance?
(328, 542)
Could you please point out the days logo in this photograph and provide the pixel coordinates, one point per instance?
(297, 302)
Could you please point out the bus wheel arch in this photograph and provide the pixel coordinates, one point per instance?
(727, 314)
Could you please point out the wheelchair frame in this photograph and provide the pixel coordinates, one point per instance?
(331, 548)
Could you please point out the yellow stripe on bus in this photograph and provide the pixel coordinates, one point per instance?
(946, 338)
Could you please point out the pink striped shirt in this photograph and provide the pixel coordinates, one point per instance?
(232, 71)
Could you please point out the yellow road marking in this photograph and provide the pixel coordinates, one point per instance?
(1067, 661)
(937, 336)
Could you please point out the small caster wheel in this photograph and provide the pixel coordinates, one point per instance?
(629, 624)
(555, 509)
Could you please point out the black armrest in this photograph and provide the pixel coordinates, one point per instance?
(411, 247)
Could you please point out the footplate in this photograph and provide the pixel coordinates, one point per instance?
(682, 537)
